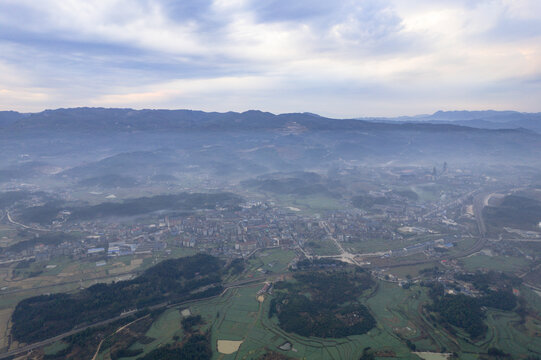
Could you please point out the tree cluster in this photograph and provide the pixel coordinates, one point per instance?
(323, 304)
(44, 316)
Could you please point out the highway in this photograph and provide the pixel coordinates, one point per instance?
(478, 205)
(8, 216)
(453, 203)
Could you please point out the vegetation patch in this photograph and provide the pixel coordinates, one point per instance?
(45, 214)
(515, 212)
(196, 347)
(466, 312)
(176, 280)
(323, 304)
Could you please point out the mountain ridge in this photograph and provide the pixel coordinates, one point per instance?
(125, 119)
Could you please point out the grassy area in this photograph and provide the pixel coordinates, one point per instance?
(498, 263)
(309, 204)
(271, 260)
(428, 192)
(55, 348)
(162, 331)
(372, 245)
(323, 247)
(239, 316)
(410, 270)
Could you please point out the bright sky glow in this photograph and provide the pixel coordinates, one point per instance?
(342, 58)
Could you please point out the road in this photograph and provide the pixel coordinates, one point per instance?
(23, 225)
(16, 260)
(478, 205)
(453, 203)
(345, 256)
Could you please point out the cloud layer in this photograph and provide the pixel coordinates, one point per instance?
(343, 58)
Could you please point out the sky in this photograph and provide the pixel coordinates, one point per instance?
(340, 58)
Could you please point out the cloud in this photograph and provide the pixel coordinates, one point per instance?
(343, 58)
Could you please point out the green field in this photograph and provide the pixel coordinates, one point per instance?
(55, 348)
(309, 204)
(428, 192)
(373, 245)
(238, 315)
(161, 332)
(271, 260)
(323, 247)
(410, 270)
(497, 263)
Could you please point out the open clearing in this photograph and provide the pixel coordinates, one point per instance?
(228, 346)
(270, 260)
(497, 263)
(5, 315)
(432, 356)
